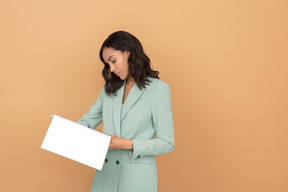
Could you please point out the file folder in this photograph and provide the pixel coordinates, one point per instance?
(76, 142)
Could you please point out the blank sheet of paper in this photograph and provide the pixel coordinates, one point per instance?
(76, 142)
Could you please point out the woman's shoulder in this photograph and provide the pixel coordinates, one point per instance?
(157, 82)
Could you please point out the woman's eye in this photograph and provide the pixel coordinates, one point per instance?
(113, 61)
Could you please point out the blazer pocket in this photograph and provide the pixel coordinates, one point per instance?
(146, 159)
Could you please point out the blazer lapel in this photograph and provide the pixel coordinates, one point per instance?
(131, 99)
(117, 102)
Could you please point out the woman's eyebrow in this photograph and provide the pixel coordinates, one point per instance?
(110, 57)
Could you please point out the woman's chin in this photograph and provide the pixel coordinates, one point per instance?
(121, 77)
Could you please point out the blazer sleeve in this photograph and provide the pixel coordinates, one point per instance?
(94, 116)
(163, 123)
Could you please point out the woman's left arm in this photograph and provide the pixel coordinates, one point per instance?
(163, 123)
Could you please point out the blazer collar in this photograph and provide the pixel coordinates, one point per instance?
(131, 99)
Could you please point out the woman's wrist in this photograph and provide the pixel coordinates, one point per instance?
(129, 144)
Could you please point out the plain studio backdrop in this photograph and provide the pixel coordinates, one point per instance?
(225, 61)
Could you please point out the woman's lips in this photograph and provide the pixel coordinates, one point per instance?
(118, 74)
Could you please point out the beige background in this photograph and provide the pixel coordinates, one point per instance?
(225, 62)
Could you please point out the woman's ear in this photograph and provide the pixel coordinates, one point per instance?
(128, 52)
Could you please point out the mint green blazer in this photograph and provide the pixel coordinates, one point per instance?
(145, 113)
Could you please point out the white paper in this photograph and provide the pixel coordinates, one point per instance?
(76, 142)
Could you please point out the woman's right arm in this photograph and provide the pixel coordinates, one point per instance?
(93, 117)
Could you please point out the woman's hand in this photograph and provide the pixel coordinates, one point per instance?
(120, 143)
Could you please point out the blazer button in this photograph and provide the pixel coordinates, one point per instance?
(117, 162)
(106, 160)
(138, 156)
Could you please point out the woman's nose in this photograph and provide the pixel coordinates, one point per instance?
(112, 69)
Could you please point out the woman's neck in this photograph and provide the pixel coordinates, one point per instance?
(130, 81)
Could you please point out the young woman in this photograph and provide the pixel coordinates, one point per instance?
(134, 106)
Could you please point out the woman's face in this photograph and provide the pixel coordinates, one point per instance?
(117, 60)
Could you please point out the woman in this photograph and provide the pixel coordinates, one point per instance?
(134, 105)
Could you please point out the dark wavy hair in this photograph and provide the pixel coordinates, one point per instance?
(138, 62)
